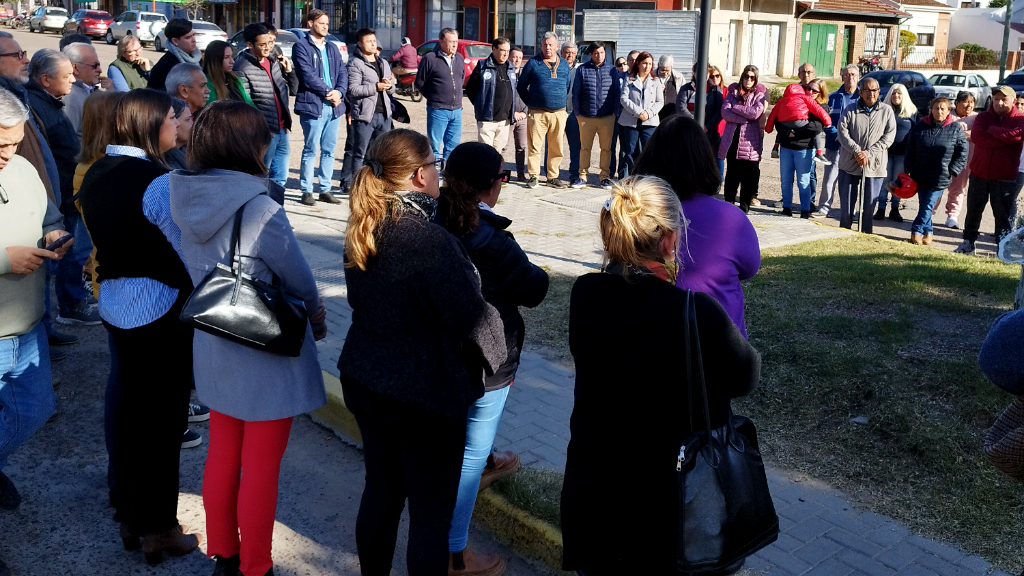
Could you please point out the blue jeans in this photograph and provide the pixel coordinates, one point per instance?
(26, 389)
(362, 133)
(69, 286)
(482, 425)
(572, 134)
(276, 157)
(892, 172)
(721, 168)
(801, 162)
(322, 131)
(927, 198)
(615, 152)
(632, 140)
(444, 126)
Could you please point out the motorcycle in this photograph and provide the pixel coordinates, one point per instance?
(868, 65)
(407, 87)
(18, 21)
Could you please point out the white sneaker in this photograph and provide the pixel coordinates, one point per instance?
(820, 213)
(952, 223)
(966, 247)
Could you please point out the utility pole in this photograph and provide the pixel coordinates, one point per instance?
(1006, 40)
(700, 80)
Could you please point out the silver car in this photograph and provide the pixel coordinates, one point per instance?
(47, 18)
(301, 33)
(143, 25)
(206, 32)
(949, 84)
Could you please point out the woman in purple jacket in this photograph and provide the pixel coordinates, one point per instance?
(718, 247)
(743, 137)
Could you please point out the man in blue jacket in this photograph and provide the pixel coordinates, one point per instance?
(320, 103)
(595, 92)
(492, 88)
(440, 78)
(839, 101)
(543, 85)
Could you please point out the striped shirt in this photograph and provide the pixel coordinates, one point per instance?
(132, 302)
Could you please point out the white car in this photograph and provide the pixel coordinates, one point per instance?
(949, 84)
(143, 25)
(302, 32)
(46, 18)
(206, 32)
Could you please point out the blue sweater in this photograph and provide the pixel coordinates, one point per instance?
(838, 100)
(1000, 357)
(903, 127)
(539, 89)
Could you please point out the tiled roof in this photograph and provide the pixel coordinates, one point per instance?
(855, 6)
(928, 3)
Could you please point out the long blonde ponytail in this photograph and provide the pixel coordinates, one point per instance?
(641, 211)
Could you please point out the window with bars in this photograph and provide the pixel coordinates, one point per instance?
(925, 36)
(876, 40)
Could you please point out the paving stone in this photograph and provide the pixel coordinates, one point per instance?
(848, 539)
(790, 494)
(816, 551)
(917, 570)
(829, 567)
(863, 564)
(787, 543)
(899, 555)
(520, 432)
(800, 510)
(553, 426)
(845, 520)
(888, 534)
(941, 550)
(809, 528)
(942, 567)
(832, 502)
(756, 563)
(787, 562)
(975, 564)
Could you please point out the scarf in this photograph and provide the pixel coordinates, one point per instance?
(419, 203)
(654, 268)
(194, 58)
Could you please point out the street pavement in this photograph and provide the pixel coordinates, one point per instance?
(823, 532)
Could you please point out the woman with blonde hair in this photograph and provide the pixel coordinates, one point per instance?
(130, 69)
(634, 531)
(222, 82)
(906, 116)
(421, 341)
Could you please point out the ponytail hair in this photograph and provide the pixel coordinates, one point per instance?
(640, 213)
(391, 160)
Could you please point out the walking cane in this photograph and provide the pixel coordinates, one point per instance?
(860, 202)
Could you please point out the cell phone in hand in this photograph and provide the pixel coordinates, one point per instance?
(59, 242)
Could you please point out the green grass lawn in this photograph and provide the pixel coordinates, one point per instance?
(865, 326)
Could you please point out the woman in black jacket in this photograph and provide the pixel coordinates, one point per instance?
(936, 153)
(473, 176)
(626, 332)
(421, 340)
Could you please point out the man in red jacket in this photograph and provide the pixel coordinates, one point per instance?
(998, 136)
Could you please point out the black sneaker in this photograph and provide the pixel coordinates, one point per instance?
(60, 338)
(521, 178)
(9, 497)
(880, 213)
(606, 184)
(191, 439)
(787, 212)
(82, 314)
(532, 182)
(556, 183)
(307, 199)
(197, 412)
(805, 214)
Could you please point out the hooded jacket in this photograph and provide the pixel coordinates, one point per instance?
(935, 154)
(744, 116)
(595, 92)
(362, 87)
(262, 89)
(997, 144)
(309, 68)
(870, 129)
(233, 379)
(63, 139)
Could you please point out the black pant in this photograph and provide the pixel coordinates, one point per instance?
(743, 175)
(1002, 193)
(410, 453)
(155, 369)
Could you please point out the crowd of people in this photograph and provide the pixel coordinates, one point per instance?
(152, 179)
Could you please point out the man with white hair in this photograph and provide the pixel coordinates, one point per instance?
(671, 80)
(50, 78)
(187, 82)
(544, 85)
(29, 221)
(85, 65)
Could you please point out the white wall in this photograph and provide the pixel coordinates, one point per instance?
(982, 26)
(719, 45)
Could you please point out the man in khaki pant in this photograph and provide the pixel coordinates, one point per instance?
(543, 86)
(595, 92)
(492, 89)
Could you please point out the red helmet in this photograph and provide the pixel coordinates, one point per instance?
(907, 187)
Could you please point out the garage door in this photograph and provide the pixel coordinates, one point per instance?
(818, 46)
(764, 47)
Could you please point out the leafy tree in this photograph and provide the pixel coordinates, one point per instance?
(907, 42)
(996, 3)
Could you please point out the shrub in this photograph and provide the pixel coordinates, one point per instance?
(774, 93)
(907, 41)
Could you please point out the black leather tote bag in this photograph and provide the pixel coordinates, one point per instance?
(725, 510)
(236, 306)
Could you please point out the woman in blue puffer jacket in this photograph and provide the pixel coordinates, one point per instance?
(936, 152)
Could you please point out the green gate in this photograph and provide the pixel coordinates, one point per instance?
(818, 46)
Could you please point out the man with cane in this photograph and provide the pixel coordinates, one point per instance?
(866, 130)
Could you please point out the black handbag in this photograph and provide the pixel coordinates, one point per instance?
(725, 510)
(236, 306)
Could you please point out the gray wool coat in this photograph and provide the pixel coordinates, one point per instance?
(233, 379)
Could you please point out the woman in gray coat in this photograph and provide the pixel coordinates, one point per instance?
(642, 98)
(252, 394)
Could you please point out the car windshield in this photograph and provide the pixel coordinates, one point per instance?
(99, 16)
(885, 80)
(285, 37)
(154, 18)
(204, 26)
(1016, 79)
(56, 12)
(478, 50)
(948, 80)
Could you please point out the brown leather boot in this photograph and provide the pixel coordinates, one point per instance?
(916, 239)
(133, 541)
(926, 239)
(499, 465)
(466, 563)
(172, 542)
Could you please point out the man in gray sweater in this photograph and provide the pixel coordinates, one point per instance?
(866, 130)
(28, 221)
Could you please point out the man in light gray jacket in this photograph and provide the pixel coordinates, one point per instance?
(370, 89)
(866, 130)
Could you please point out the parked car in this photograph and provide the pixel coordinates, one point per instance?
(949, 85)
(921, 91)
(206, 32)
(1015, 81)
(143, 25)
(89, 22)
(46, 18)
(471, 50)
(285, 41)
(300, 33)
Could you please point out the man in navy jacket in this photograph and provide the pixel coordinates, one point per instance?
(439, 78)
(595, 92)
(320, 103)
(492, 88)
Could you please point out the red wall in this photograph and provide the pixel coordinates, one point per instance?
(415, 21)
(482, 27)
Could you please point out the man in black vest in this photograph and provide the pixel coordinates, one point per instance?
(264, 80)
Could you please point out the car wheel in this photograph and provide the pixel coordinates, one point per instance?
(110, 37)
(157, 45)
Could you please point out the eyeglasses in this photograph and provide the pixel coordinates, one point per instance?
(94, 65)
(439, 164)
(19, 55)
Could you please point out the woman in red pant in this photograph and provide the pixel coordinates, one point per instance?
(252, 394)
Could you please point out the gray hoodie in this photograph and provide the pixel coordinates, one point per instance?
(233, 379)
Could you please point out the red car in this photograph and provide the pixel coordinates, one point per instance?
(472, 52)
(89, 22)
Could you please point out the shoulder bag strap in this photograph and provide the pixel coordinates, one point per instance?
(691, 308)
(236, 250)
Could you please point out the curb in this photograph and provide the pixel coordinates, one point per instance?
(528, 535)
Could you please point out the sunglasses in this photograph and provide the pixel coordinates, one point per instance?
(505, 176)
(716, 75)
(750, 77)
